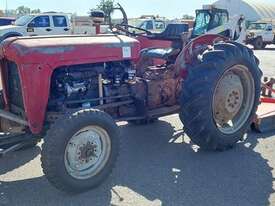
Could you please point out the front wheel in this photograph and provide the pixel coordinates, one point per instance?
(80, 150)
(220, 96)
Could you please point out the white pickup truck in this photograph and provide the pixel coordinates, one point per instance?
(260, 34)
(150, 24)
(43, 24)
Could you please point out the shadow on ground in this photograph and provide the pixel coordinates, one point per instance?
(269, 49)
(155, 167)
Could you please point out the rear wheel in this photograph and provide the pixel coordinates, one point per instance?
(80, 150)
(220, 96)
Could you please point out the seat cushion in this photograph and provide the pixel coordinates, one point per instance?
(159, 53)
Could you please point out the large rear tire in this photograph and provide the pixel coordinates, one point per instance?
(80, 150)
(220, 96)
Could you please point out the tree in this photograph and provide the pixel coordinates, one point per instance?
(36, 11)
(106, 6)
(186, 16)
(10, 12)
(22, 10)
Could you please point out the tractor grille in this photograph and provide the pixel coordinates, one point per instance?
(14, 85)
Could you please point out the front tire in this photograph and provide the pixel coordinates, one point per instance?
(80, 150)
(220, 96)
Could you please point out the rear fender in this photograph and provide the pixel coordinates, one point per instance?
(193, 48)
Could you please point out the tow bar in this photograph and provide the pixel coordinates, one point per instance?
(265, 118)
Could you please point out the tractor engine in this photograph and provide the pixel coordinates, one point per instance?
(106, 83)
(80, 82)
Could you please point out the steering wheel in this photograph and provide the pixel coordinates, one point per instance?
(125, 28)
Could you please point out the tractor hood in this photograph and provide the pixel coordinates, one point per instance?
(67, 50)
(36, 58)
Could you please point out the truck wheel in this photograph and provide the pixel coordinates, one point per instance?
(258, 43)
(143, 121)
(220, 96)
(80, 150)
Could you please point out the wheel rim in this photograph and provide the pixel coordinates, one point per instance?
(87, 152)
(233, 99)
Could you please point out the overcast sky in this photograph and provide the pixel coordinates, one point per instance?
(168, 8)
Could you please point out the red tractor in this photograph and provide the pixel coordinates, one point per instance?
(71, 90)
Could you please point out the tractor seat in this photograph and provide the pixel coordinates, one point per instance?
(160, 53)
(166, 54)
(171, 33)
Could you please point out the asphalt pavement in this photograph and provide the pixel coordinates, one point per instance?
(159, 166)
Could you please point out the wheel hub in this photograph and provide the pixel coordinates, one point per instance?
(233, 99)
(87, 152)
(228, 98)
(233, 102)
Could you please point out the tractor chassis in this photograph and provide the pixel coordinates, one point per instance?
(18, 141)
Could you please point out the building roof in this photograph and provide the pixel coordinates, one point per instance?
(253, 10)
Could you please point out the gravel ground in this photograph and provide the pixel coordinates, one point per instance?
(159, 166)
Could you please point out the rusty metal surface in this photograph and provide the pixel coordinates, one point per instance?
(268, 87)
(265, 117)
(163, 86)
